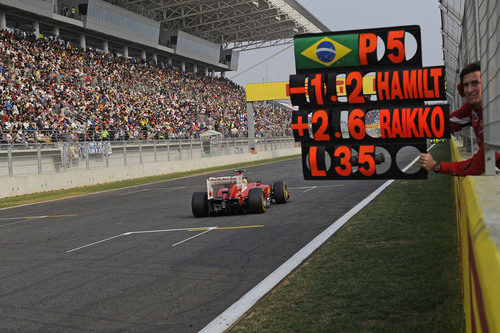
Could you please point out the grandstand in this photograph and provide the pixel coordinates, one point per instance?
(118, 70)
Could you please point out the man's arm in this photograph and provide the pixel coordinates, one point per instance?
(472, 167)
(460, 118)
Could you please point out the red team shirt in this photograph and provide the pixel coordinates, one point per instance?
(468, 115)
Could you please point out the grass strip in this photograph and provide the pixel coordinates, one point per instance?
(393, 267)
(58, 194)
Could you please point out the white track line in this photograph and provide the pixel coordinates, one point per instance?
(95, 243)
(145, 232)
(204, 232)
(23, 217)
(177, 187)
(28, 219)
(134, 192)
(166, 230)
(317, 186)
(14, 223)
(311, 188)
(245, 303)
(166, 189)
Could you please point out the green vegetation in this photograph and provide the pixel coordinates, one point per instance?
(57, 194)
(392, 268)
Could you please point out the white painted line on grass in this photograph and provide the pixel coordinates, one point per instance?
(226, 319)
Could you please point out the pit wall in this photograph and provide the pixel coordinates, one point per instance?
(478, 216)
(75, 178)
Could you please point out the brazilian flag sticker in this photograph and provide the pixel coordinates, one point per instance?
(326, 51)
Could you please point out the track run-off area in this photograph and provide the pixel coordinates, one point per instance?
(137, 259)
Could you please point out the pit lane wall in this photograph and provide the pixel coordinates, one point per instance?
(478, 217)
(69, 178)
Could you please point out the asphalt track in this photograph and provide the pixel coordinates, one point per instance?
(84, 264)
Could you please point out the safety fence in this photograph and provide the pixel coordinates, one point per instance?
(42, 158)
(470, 32)
(479, 251)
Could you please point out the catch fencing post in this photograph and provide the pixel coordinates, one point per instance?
(64, 156)
(39, 158)
(87, 153)
(140, 152)
(251, 127)
(106, 152)
(9, 161)
(155, 157)
(124, 153)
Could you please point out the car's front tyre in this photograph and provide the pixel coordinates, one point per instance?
(280, 192)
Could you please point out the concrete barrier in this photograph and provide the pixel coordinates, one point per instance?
(478, 217)
(70, 178)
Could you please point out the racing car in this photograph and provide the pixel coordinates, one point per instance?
(236, 195)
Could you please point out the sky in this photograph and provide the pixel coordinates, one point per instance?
(348, 15)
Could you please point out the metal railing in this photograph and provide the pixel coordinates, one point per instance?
(31, 136)
(22, 159)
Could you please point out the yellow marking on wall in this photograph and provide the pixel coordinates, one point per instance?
(278, 90)
(266, 91)
(480, 257)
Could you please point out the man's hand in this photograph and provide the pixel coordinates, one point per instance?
(427, 161)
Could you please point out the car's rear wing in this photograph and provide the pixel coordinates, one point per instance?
(238, 180)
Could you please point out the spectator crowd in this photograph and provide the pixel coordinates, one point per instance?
(51, 91)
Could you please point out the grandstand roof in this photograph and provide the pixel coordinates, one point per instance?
(235, 24)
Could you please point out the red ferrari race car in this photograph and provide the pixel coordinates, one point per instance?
(236, 195)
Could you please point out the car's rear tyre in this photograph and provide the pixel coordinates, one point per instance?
(199, 204)
(256, 200)
(280, 192)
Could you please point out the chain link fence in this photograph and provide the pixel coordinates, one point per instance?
(470, 32)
